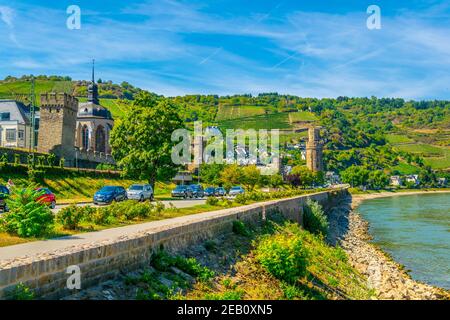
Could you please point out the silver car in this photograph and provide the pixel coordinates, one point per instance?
(140, 192)
(234, 191)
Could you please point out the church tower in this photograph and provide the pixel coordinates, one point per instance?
(314, 160)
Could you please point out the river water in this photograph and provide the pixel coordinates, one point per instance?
(415, 231)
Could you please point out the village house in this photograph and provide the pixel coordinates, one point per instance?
(395, 181)
(412, 179)
(15, 124)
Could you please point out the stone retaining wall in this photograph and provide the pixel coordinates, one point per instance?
(47, 275)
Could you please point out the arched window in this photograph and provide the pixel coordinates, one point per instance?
(85, 138)
(100, 139)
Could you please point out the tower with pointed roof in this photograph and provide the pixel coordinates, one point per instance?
(94, 122)
(93, 88)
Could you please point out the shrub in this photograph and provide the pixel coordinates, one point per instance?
(241, 198)
(212, 201)
(162, 261)
(283, 256)
(159, 207)
(22, 292)
(314, 218)
(240, 228)
(192, 267)
(70, 217)
(27, 217)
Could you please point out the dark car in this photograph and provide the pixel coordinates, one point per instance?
(182, 191)
(4, 194)
(220, 192)
(197, 190)
(210, 192)
(109, 194)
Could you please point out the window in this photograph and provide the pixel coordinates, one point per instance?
(85, 138)
(10, 134)
(5, 116)
(21, 135)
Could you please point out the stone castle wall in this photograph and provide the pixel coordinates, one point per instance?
(58, 117)
(47, 275)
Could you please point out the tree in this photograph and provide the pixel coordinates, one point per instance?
(231, 175)
(305, 176)
(276, 180)
(210, 173)
(378, 179)
(355, 176)
(141, 140)
(251, 175)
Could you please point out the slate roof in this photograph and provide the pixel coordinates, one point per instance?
(18, 111)
(92, 110)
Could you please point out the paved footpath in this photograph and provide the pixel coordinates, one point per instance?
(30, 249)
(176, 203)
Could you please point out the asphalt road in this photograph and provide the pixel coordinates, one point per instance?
(177, 203)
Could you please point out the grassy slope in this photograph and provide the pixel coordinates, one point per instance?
(9, 89)
(235, 112)
(81, 188)
(435, 156)
(272, 121)
(328, 270)
(301, 116)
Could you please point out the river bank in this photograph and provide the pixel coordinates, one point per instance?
(386, 276)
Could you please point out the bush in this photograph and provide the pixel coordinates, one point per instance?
(212, 201)
(283, 256)
(314, 218)
(192, 267)
(22, 292)
(70, 217)
(27, 217)
(240, 228)
(241, 198)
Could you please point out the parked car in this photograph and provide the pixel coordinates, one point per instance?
(109, 194)
(182, 191)
(4, 194)
(220, 192)
(197, 190)
(140, 192)
(47, 197)
(210, 191)
(234, 191)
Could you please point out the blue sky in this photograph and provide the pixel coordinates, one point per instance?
(319, 48)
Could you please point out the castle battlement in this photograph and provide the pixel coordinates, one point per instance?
(59, 100)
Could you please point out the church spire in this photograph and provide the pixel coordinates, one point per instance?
(92, 87)
(93, 69)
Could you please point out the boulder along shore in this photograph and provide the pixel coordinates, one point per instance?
(384, 275)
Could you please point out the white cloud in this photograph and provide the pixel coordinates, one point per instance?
(6, 15)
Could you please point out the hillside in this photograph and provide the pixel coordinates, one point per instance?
(20, 88)
(382, 134)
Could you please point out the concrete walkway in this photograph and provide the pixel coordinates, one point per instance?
(31, 249)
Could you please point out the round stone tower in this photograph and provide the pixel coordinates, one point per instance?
(314, 160)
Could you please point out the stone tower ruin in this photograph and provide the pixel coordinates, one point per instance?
(58, 118)
(314, 160)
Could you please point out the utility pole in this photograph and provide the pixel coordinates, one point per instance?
(33, 117)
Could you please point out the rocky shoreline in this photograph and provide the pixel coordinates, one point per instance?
(385, 276)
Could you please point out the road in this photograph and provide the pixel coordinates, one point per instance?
(177, 203)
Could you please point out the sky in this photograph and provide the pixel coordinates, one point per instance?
(320, 48)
